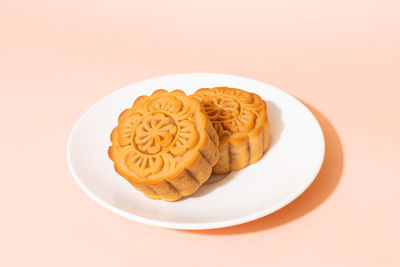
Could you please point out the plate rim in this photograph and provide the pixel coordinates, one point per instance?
(192, 226)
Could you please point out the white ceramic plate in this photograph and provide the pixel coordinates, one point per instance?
(286, 170)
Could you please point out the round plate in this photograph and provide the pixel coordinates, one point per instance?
(288, 167)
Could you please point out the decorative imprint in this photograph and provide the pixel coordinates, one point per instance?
(156, 135)
(230, 111)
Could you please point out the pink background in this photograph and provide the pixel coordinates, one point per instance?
(341, 58)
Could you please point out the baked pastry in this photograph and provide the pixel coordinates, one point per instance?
(241, 121)
(164, 145)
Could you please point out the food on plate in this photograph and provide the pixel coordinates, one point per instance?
(241, 121)
(164, 145)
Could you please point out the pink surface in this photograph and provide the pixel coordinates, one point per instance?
(341, 58)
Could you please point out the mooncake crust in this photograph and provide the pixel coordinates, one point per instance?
(241, 121)
(164, 145)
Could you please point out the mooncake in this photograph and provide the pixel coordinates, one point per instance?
(164, 145)
(241, 121)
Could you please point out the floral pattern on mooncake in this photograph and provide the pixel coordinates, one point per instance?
(164, 145)
(241, 121)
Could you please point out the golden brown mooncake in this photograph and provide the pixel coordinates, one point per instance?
(241, 121)
(164, 145)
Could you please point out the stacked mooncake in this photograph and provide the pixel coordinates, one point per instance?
(168, 144)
